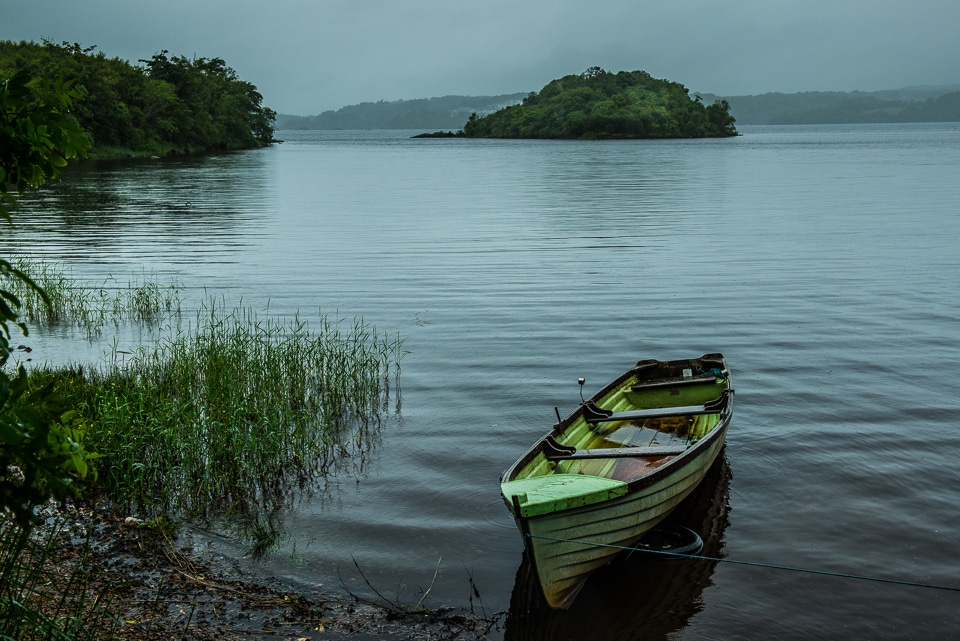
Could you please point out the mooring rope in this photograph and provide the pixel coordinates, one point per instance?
(842, 575)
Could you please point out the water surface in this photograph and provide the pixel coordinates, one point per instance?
(822, 261)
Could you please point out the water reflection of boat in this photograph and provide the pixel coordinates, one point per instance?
(616, 467)
(642, 597)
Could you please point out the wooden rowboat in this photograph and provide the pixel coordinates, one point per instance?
(616, 467)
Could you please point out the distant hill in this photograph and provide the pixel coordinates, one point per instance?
(447, 112)
(911, 104)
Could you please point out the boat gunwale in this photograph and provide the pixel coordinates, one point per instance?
(558, 589)
(670, 466)
(654, 476)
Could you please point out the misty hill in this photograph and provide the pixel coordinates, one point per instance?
(911, 104)
(599, 104)
(447, 112)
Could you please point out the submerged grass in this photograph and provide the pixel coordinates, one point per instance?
(225, 419)
(220, 419)
(228, 419)
(141, 299)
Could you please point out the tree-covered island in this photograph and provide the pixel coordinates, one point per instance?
(157, 106)
(598, 104)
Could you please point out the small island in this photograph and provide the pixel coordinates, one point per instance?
(598, 104)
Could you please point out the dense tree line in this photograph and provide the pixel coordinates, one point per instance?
(600, 104)
(161, 104)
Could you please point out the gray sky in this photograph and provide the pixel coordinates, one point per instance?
(307, 56)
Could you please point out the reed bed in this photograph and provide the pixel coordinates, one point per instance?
(69, 300)
(229, 419)
(231, 416)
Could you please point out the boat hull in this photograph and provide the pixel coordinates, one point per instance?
(566, 547)
(578, 502)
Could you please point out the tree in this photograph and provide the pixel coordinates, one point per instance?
(165, 104)
(41, 451)
(221, 111)
(599, 104)
(719, 114)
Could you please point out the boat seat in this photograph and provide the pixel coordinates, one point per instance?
(592, 413)
(698, 380)
(555, 451)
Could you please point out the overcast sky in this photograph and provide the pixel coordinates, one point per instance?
(307, 56)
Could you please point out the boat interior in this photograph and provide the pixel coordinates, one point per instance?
(636, 427)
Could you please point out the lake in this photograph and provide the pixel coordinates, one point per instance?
(823, 262)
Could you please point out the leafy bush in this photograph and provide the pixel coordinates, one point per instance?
(41, 451)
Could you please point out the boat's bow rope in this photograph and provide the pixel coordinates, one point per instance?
(842, 575)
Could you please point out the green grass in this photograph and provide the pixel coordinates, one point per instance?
(227, 417)
(70, 301)
(233, 416)
(40, 598)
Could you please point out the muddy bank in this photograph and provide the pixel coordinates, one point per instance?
(157, 589)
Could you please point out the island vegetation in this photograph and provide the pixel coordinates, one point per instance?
(598, 104)
(165, 104)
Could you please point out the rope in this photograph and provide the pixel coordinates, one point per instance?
(713, 371)
(755, 564)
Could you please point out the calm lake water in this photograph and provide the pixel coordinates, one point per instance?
(822, 261)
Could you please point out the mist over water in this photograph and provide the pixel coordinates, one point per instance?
(821, 261)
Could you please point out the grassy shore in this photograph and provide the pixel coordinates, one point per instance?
(227, 418)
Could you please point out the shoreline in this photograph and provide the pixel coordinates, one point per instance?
(160, 589)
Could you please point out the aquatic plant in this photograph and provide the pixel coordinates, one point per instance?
(228, 417)
(71, 301)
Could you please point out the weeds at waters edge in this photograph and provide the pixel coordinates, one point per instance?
(227, 421)
(40, 598)
(142, 299)
(477, 625)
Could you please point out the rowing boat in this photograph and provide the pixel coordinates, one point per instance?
(616, 467)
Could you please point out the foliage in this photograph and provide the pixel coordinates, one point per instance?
(225, 418)
(41, 452)
(165, 104)
(599, 104)
(38, 134)
(41, 441)
(43, 596)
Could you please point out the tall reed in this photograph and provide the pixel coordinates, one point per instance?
(71, 301)
(41, 597)
(232, 415)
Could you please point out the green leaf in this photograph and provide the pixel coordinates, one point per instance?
(11, 435)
